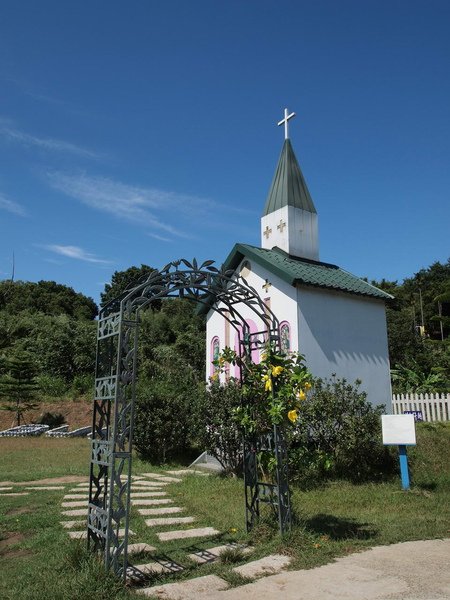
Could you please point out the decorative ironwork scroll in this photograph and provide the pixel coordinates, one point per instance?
(115, 380)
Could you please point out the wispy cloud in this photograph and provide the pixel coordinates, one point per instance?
(151, 207)
(13, 134)
(125, 202)
(12, 207)
(75, 252)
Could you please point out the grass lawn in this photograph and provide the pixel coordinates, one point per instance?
(37, 560)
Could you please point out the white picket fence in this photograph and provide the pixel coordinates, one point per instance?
(434, 407)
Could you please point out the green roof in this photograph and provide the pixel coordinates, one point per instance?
(288, 186)
(303, 271)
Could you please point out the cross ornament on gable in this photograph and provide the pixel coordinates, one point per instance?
(266, 286)
(284, 121)
(281, 225)
(267, 231)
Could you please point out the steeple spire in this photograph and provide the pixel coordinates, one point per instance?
(289, 211)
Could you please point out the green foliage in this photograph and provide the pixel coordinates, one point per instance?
(338, 435)
(272, 390)
(18, 385)
(171, 379)
(123, 280)
(405, 380)
(424, 353)
(52, 419)
(52, 386)
(46, 297)
(216, 428)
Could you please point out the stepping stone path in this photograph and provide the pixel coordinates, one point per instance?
(168, 521)
(151, 500)
(212, 554)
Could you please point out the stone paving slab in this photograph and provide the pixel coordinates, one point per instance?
(74, 503)
(149, 484)
(166, 510)
(79, 490)
(269, 565)
(163, 478)
(76, 512)
(146, 494)
(140, 547)
(192, 589)
(145, 501)
(83, 485)
(203, 556)
(15, 494)
(73, 524)
(159, 501)
(82, 535)
(168, 521)
(153, 567)
(46, 487)
(180, 472)
(183, 534)
(5, 489)
(76, 496)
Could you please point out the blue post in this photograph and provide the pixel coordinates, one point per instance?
(404, 466)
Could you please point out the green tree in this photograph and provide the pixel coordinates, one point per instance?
(46, 297)
(18, 386)
(123, 280)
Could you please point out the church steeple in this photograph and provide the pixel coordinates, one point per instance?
(289, 219)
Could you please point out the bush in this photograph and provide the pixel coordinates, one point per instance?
(165, 409)
(338, 435)
(52, 419)
(52, 386)
(83, 384)
(217, 430)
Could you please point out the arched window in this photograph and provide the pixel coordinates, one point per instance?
(215, 351)
(285, 335)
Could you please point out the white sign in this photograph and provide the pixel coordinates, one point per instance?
(398, 430)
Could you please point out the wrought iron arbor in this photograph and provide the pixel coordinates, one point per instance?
(115, 379)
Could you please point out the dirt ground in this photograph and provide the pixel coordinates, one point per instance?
(76, 414)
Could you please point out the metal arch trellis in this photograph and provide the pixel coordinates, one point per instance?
(113, 414)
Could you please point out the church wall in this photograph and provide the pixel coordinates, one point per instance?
(282, 298)
(293, 230)
(346, 334)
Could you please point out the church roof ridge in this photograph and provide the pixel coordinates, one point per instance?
(288, 185)
(295, 270)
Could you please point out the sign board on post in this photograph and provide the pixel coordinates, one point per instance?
(400, 430)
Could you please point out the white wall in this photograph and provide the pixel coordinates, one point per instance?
(300, 236)
(283, 303)
(346, 334)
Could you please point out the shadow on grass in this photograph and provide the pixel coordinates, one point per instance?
(338, 528)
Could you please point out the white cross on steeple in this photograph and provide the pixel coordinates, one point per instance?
(285, 121)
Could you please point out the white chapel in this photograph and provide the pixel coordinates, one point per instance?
(335, 319)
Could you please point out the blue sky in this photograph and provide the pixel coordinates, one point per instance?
(143, 132)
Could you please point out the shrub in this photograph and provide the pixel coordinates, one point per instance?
(52, 419)
(216, 428)
(52, 386)
(338, 435)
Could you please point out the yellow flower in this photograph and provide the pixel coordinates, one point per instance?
(277, 370)
(301, 395)
(293, 415)
(268, 386)
(263, 357)
(307, 386)
(233, 530)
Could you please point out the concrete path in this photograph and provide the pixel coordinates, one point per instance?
(407, 571)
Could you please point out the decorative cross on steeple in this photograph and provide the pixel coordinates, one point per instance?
(285, 121)
(267, 231)
(281, 225)
(266, 286)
